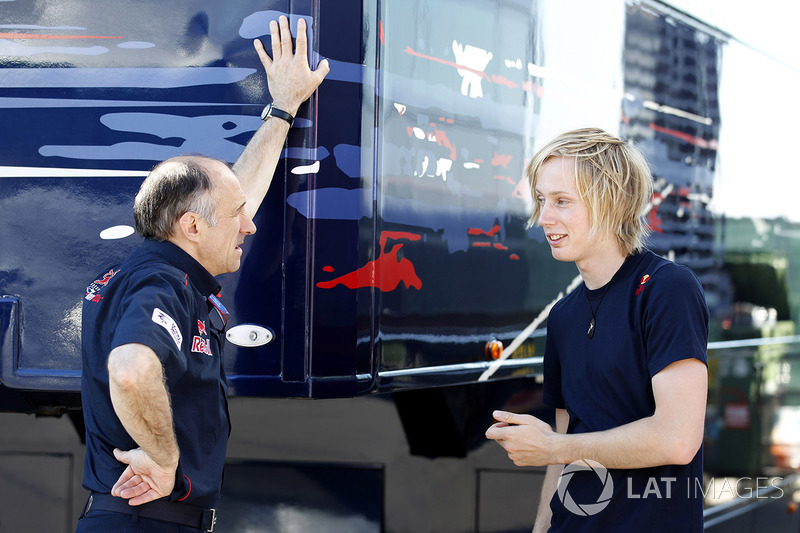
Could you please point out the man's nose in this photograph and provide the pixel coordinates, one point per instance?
(545, 215)
(248, 227)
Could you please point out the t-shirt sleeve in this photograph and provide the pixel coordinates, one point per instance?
(551, 389)
(154, 313)
(675, 318)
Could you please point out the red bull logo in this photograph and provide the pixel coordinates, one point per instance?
(644, 280)
(201, 345)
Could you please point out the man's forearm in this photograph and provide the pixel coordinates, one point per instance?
(672, 435)
(257, 163)
(291, 82)
(640, 444)
(142, 403)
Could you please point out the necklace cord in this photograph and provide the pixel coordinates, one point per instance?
(593, 322)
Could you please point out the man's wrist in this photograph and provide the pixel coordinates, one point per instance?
(559, 453)
(272, 110)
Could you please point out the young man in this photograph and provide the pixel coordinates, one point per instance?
(625, 356)
(153, 386)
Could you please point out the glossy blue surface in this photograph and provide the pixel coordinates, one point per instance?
(392, 246)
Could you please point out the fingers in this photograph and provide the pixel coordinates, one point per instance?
(495, 432)
(302, 39)
(121, 456)
(148, 496)
(275, 38)
(135, 487)
(285, 35)
(511, 418)
(142, 480)
(281, 40)
(126, 480)
(322, 69)
(262, 53)
(138, 488)
(506, 422)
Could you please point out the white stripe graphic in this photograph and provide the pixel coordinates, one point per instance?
(47, 172)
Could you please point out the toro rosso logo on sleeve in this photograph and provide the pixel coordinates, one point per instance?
(165, 321)
(93, 290)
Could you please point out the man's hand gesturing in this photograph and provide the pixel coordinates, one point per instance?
(291, 80)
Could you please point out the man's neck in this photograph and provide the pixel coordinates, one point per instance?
(190, 248)
(598, 271)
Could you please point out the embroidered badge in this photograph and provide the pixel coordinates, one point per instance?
(201, 327)
(93, 290)
(106, 277)
(164, 320)
(201, 345)
(644, 280)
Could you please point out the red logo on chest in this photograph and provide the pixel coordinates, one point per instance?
(201, 345)
(644, 280)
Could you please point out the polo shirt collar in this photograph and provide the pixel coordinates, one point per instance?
(177, 257)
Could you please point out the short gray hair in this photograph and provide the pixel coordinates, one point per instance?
(173, 187)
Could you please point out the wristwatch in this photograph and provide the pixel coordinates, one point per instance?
(272, 111)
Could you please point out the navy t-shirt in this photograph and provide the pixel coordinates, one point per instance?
(652, 314)
(158, 297)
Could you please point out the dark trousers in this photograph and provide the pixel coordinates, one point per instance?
(110, 522)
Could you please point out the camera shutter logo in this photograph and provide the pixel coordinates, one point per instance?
(585, 509)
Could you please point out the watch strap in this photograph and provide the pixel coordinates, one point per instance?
(272, 111)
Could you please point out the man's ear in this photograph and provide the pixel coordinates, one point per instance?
(187, 226)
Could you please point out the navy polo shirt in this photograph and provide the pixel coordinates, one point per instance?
(652, 314)
(158, 297)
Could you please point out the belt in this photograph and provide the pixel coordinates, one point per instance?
(177, 513)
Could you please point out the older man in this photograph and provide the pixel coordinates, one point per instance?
(153, 388)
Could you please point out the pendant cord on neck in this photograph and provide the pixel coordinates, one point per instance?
(593, 323)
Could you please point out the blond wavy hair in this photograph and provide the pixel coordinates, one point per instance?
(612, 178)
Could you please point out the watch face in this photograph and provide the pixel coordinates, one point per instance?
(271, 111)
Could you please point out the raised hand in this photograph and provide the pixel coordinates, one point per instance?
(291, 80)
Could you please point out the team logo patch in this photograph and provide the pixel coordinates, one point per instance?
(93, 290)
(644, 280)
(201, 345)
(93, 296)
(106, 277)
(201, 327)
(165, 321)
